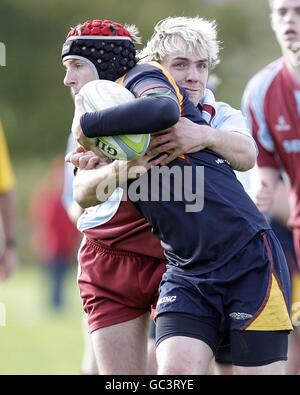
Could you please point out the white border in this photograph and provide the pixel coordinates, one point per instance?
(71, 38)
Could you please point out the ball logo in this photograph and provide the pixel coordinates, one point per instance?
(111, 151)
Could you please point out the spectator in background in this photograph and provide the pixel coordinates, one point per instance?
(8, 256)
(54, 237)
(276, 127)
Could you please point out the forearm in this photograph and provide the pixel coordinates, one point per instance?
(265, 180)
(239, 149)
(8, 214)
(86, 183)
(92, 187)
(143, 115)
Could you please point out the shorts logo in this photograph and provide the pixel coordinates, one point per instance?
(240, 316)
(166, 299)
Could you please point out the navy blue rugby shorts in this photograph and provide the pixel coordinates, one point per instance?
(247, 301)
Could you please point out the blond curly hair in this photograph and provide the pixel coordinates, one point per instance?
(194, 35)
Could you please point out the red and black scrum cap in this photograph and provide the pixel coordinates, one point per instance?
(106, 45)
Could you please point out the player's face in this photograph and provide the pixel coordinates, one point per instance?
(189, 72)
(78, 73)
(285, 21)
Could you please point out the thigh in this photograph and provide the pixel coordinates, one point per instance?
(122, 348)
(186, 309)
(173, 324)
(185, 343)
(258, 348)
(223, 355)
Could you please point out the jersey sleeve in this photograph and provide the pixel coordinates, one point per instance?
(228, 118)
(253, 108)
(7, 177)
(151, 76)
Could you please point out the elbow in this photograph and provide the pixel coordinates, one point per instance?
(252, 159)
(248, 158)
(169, 113)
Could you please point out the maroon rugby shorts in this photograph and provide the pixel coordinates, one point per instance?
(116, 285)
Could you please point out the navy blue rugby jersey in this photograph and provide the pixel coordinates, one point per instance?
(203, 234)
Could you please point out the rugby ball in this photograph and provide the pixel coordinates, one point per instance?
(101, 94)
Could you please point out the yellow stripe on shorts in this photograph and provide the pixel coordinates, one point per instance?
(274, 316)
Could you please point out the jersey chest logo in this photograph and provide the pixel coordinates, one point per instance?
(282, 125)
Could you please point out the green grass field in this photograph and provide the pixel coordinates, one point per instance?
(35, 339)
